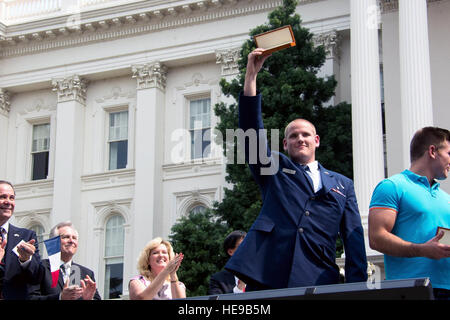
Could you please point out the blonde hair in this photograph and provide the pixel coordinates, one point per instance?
(143, 265)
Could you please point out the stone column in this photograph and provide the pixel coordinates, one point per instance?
(368, 157)
(150, 100)
(415, 74)
(5, 107)
(228, 61)
(71, 93)
(331, 41)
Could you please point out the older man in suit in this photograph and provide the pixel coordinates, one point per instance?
(305, 206)
(75, 281)
(21, 261)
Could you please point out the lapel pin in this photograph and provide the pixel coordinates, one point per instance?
(16, 235)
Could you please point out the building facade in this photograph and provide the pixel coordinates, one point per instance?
(106, 106)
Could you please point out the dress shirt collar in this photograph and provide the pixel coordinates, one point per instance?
(6, 226)
(66, 264)
(313, 166)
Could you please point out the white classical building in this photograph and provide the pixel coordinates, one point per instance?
(101, 100)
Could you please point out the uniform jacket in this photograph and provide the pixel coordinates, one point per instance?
(292, 241)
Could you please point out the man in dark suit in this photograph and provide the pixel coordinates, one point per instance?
(21, 261)
(292, 242)
(75, 281)
(224, 281)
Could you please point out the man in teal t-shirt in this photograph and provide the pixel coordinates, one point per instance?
(406, 210)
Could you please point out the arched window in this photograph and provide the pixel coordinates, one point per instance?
(198, 209)
(114, 244)
(40, 238)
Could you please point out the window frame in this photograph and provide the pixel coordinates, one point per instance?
(107, 150)
(106, 288)
(32, 153)
(188, 144)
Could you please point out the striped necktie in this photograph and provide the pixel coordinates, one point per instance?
(2, 233)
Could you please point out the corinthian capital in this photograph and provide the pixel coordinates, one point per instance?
(70, 88)
(331, 41)
(150, 75)
(5, 103)
(228, 59)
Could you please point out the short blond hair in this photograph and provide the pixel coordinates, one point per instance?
(143, 265)
(298, 120)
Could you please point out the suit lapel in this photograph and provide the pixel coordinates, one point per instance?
(328, 180)
(304, 176)
(14, 238)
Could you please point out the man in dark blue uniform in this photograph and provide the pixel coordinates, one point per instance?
(292, 242)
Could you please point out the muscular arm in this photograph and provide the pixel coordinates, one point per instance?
(381, 222)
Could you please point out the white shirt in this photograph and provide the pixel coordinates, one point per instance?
(236, 289)
(314, 174)
(67, 266)
(6, 227)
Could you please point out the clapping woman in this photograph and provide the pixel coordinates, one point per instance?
(157, 279)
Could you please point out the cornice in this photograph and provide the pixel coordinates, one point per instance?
(387, 6)
(123, 21)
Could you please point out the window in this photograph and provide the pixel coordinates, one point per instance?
(200, 128)
(118, 140)
(40, 151)
(198, 209)
(114, 248)
(40, 237)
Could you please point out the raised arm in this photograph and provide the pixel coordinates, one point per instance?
(254, 64)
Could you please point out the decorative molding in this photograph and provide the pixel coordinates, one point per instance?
(150, 75)
(228, 59)
(39, 108)
(27, 219)
(116, 93)
(186, 200)
(195, 168)
(105, 209)
(198, 82)
(387, 6)
(34, 189)
(58, 34)
(331, 41)
(116, 178)
(70, 88)
(5, 102)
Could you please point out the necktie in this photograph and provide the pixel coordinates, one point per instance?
(307, 174)
(2, 234)
(65, 272)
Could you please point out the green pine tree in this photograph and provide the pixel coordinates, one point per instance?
(291, 89)
(199, 236)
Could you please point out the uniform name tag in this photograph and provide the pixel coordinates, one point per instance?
(290, 171)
